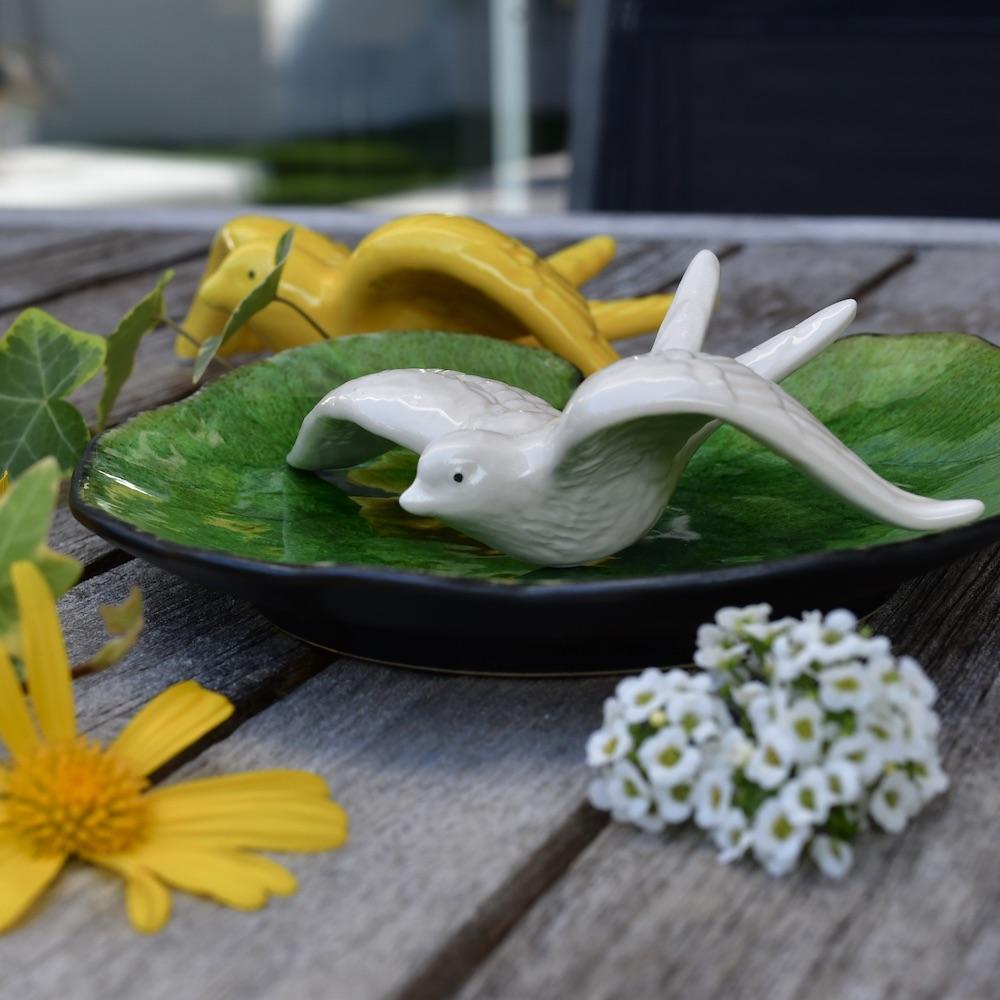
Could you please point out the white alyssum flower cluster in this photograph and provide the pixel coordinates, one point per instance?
(798, 735)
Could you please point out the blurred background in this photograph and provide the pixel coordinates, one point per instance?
(762, 106)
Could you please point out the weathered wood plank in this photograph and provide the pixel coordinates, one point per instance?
(647, 268)
(461, 791)
(942, 290)
(640, 917)
(566, 226)
(466, 794)
(93, 258)
(190, 632)
(18, 243)
(768, 288)
(70, 536)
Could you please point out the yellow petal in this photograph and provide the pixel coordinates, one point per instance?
(270, 810)
(232, 878)
(45, 660)
(16, 728)
(170, 723)
(256, 784)
(23, 878)
(147, 900)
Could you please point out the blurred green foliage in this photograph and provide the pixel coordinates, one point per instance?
(323, 170)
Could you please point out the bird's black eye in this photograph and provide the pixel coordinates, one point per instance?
(251, 275)
(458, 477)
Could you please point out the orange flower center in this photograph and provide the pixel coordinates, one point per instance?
(75, 798)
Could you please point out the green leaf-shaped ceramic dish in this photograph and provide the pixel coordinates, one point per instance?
(201, 488)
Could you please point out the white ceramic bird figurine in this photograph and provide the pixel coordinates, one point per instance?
(561, 489)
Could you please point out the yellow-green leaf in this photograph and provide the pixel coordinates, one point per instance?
(25, 517)
(144, 316)
(123, 622)
(258, 298)
(41, 362)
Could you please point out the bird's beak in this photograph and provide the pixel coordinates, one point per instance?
(417, 501)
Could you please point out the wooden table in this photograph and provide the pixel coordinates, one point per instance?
(475, 867)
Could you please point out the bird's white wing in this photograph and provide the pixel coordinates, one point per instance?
(686, 321)
(666, 393)
(789, 351)
(411, 407)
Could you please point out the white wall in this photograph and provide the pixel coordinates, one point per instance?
(131, 70)
(223, 70)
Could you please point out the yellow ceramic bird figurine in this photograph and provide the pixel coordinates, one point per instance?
(417, 272)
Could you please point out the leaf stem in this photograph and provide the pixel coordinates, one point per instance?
(181, 332)
(304, 315)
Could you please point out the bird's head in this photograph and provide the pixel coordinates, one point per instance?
(242, 270)
(467, 477)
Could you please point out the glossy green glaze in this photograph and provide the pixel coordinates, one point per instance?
(209, 472)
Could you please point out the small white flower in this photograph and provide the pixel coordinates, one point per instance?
(608, 744)
(676, 803)
(677, 679)
(791, 657)
(919, 684)
(861, 751)
(695, 712)
(930, 779)
(730, 752)
(771, 761)
(732, 836)
(747, 692)
(668, 757)
(718, 649)
(844, 687)
(767, 710)
(804, 723)
(767, 632)
(894, 801)
(834, 638)
(713, 796)
(888, 679)
(843, 781)
(840, 621)
(832, 855)
(733, 619)
(651, 822)
(597, 793)
(735, 748)
(874, 647)
(918, 728)
(628, 793)
(806, 799)
(777, 840)
(642, 695)
(613, 710)
(886, 730)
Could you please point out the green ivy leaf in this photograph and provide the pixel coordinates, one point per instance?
(254, 301)
(25, 516)
(144, 316)
(41, 362)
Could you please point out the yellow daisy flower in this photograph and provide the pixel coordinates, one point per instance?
(63, 795)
